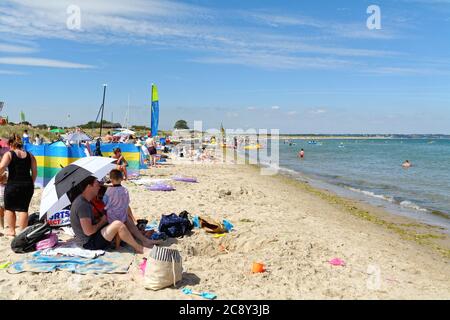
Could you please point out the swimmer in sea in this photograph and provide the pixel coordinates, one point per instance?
(406, 164)
(301, 154)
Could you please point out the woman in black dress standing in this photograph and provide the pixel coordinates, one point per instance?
(22, 172)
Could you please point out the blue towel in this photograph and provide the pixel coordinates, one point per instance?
(111, 262)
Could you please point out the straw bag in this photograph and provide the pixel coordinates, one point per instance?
(210, 225)
(163, 268)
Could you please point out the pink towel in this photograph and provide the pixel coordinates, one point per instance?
(49, 242)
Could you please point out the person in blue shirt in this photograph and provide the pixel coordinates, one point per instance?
(25, 137)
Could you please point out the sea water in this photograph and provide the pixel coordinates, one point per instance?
(371, 170)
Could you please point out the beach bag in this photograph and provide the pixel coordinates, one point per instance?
(211, 225)
(185, 215)
(163, 268)
(26, 240)
(48, 242)
(174, 226)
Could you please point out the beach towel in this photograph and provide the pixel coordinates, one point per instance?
(163, 268)
(72, 251)
(111, 262)
(149, 182)
(48, 242)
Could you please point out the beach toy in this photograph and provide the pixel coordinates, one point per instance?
(206, 295)
(160, 187)
(196, 222)
(143, 265)
(337, 262)
(5, 265)
(227, 225)
(184, 179)
(219, 235)
(223, 248)
(258, 267)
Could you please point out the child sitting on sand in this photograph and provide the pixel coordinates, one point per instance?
(116, 198)
(98, 206)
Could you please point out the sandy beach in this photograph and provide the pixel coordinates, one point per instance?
(292, 228)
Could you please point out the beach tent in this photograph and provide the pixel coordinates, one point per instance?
(76, 137)
(125, 131)
(57, 130)
(51, 158)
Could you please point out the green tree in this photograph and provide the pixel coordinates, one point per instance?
(181, 124)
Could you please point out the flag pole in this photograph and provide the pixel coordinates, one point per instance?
(151, 109)
(103, 107)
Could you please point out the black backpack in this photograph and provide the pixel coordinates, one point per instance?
(34, 218)
(26, 240)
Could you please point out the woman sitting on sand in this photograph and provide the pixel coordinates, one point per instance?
(122, 164)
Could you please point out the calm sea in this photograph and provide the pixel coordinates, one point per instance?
(371, 170)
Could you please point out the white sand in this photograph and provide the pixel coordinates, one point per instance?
(293, 231)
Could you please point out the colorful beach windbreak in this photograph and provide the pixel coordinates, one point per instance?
(51, 158)
(155, 111)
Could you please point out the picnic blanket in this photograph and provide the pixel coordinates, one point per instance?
(110, 262)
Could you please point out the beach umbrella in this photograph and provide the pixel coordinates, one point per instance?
(57, 130)
(55, 195)
(125, 132)
(76, 137)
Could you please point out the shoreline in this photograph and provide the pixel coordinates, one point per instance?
(359, 195)
(291, 227)
(407, 227)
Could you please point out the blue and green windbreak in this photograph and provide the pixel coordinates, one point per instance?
(51, 158)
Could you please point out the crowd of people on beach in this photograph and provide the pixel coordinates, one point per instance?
(101, 213)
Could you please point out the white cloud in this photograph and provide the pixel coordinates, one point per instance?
(292, 113)
(5, 47)
(188, 27)
(38, 62)
(275, 107)
(251, 108)
(13, 73)
(169, 24)
(318, 111)
(232, 115)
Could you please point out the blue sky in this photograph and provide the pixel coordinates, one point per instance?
(297, 66)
